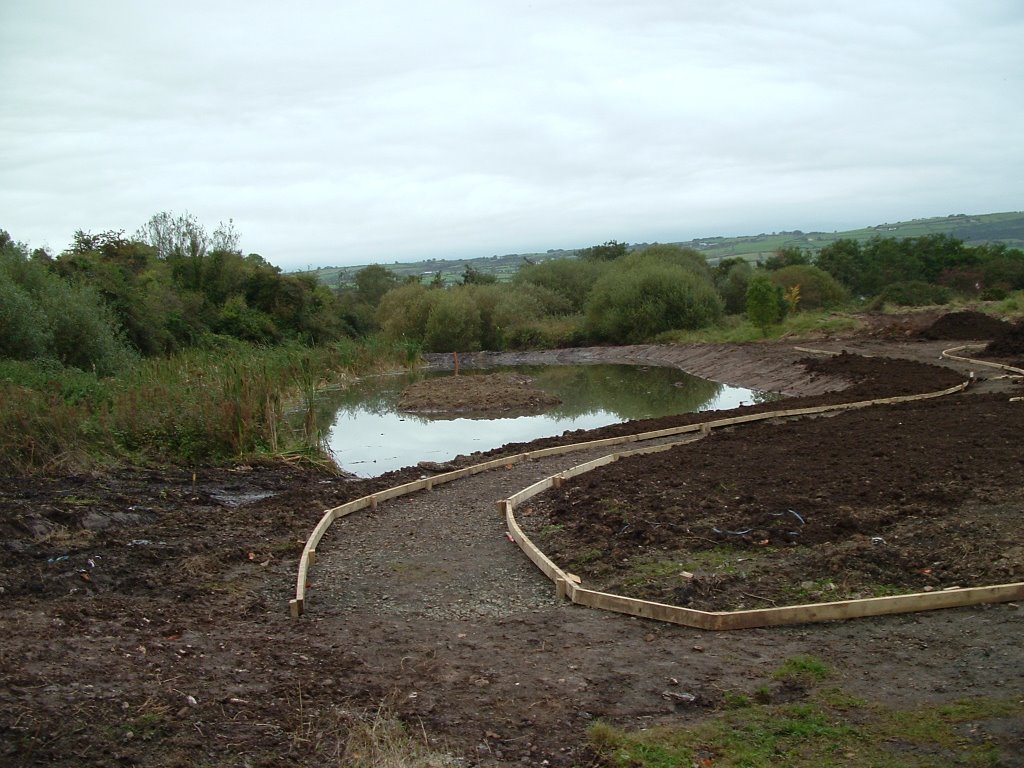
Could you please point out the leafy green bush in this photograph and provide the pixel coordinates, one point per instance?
(1005, 272)
(677, 255)
(454, 324)
(469, 317)
(787, 256)
(570, 279)
(403, 312)
(505, 310)
(818, 289)
(24, 331)
(636, 300)
(237, 319)
(85, 333)
(732, 282)
(765, 303)
(48, 316)
(912, 293)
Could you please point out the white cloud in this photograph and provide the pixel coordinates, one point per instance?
(349, 132)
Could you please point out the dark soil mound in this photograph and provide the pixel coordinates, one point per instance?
(856, 505)
(964, 326)
(873, 377)
(1009, 343)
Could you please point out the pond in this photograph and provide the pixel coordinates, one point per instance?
(368, 436)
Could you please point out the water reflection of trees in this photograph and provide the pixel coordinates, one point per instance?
(629, 392)
(377, 395)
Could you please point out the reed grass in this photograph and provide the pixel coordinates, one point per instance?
(201, 406)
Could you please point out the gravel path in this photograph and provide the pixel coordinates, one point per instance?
(442, 554)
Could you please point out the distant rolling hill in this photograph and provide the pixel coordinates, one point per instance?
(972, 229)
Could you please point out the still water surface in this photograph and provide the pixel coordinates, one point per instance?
(368, 436)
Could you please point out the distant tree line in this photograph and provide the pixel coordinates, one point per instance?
(110, 299)
(611, 293)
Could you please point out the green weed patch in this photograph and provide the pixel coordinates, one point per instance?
(831, 728)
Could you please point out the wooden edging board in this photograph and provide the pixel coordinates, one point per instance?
(308, 556)
(948, 353)
(568, 586)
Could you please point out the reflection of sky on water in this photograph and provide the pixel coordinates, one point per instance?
(370, 444)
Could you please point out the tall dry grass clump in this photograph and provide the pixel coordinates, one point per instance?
(196, 406)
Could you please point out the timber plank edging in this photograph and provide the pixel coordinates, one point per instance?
(744, 619)
(948, 354)
(763, 617)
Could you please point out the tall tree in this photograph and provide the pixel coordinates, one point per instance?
(765, 303)
(373, 282)
(609, 251)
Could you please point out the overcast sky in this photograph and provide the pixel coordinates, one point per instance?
(351, 132)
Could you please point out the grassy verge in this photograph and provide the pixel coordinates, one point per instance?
(201, 406)
(827, 727)
(1010, 308)
(735, 329)
(811, 325)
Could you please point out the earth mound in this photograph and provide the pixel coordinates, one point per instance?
(964, 326)
(491, 393)
(873, 377)
(835, 510)
(1009, 343)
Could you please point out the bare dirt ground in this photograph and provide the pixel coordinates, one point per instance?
(145, 613)
(498, 393)
(898, 509)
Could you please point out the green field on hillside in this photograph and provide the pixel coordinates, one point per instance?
(972, 229)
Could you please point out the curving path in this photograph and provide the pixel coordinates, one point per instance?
(448, 534)
(443, 553)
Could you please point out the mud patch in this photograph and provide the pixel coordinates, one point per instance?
(478, 394)
(179, 647)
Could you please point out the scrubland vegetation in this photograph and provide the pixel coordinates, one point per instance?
(172, 346)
